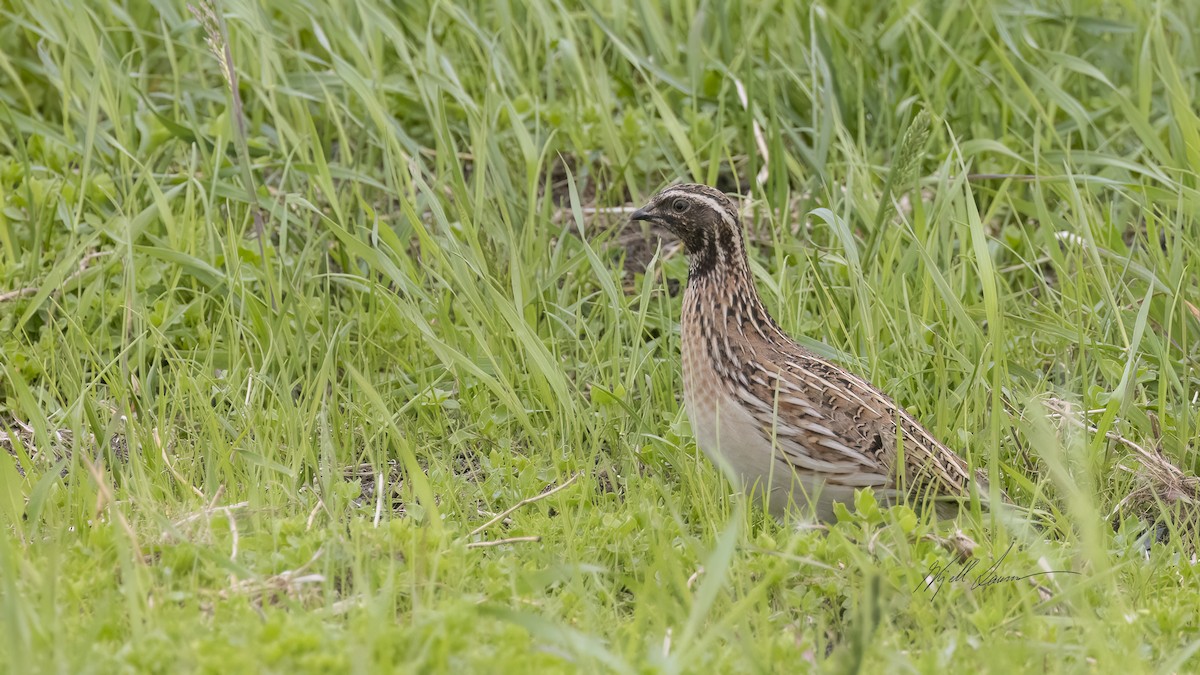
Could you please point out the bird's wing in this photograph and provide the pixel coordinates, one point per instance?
(826, 420)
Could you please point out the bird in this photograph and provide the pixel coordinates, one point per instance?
(794, 430)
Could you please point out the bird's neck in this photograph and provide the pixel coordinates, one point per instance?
(717, 254)
(720, 294)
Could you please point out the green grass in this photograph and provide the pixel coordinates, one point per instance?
(243, 453)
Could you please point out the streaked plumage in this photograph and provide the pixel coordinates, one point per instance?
(772, 412)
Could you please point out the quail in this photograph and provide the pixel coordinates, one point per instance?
(790, 427)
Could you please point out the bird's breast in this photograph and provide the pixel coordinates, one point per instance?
(724, 430)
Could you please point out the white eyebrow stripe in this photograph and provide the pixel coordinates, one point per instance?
(712, 203)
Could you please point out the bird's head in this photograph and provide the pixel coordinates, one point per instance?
(703, 218)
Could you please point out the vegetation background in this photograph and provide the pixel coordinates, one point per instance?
(277, 361)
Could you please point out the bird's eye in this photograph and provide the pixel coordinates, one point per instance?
(680, 205)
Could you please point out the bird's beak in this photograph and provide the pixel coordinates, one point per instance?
(641, 214)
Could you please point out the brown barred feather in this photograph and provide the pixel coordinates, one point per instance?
(788, 424)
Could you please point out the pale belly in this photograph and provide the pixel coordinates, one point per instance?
(742, 448)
